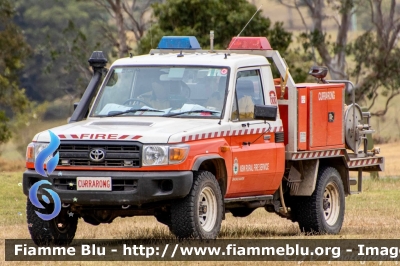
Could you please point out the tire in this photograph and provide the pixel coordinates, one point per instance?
(199, 214)
(57, 231)
(323, 211)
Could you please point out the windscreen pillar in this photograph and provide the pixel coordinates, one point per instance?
(98, 62)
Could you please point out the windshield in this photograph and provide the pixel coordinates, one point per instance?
(163, 91)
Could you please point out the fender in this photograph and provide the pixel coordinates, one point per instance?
(220, 170)
(309, 171)
(200, 160)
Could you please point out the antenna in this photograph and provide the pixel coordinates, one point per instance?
(245, 27)
(151, 36)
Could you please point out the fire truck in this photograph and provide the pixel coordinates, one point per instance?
(187, 135)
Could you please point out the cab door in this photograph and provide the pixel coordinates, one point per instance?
(254, 151)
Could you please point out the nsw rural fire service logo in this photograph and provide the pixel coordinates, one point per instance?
(272, 97)
(39, 167)
(235, 166)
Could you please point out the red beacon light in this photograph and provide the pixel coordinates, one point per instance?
(249, 43)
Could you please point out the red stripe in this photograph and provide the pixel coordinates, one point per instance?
(62, 136)
(215, 134)
(197, 137)
(209, 135)
(203, 136)
(190, 138)
(123, 137)
(252, 131)
(137, 137)
(240, 132)
(74, 136)
(183, 139)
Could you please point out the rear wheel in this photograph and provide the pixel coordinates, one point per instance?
(57, 231)
(199, 214)
(323, 211)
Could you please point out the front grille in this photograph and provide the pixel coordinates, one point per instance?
(117, 154)
(117, 184)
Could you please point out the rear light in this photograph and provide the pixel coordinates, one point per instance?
(249, 43)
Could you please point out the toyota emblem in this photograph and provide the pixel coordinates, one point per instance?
(97, 155)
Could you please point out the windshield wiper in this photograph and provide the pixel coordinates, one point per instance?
(115, 113)
(193, 111)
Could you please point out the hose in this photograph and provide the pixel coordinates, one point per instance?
(282, 199)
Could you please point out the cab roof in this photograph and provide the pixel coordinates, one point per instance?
(195, 59)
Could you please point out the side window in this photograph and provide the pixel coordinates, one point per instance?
(248, 92)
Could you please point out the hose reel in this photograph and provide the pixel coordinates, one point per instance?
(355, 131)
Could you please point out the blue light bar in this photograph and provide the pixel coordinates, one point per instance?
(178, 42)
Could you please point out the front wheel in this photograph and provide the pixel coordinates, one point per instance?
(57, 231)
(323, 211)
(199, 214)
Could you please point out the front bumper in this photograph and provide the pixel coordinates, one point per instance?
(128, 188)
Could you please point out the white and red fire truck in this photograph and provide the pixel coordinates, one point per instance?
(187, 135)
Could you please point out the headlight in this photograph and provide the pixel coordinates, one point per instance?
(33, 149)
(155, 155)
(163, 155)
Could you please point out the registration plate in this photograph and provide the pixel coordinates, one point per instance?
(94, 183)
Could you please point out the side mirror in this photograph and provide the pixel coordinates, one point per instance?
(265, 112)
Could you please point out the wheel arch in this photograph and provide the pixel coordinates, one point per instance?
(339, 164)
(312, 168)
(216, 165)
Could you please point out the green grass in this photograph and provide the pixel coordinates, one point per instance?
(12, 201)
(371, 214)
(377, 204)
